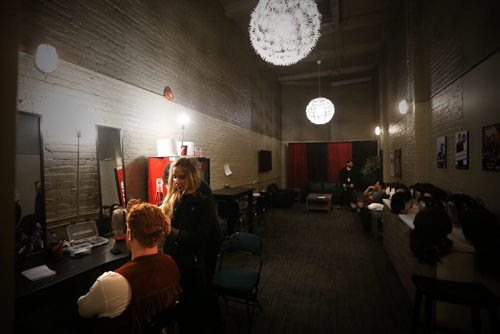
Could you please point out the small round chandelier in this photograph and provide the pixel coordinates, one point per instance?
(320, 110)
(283, 32)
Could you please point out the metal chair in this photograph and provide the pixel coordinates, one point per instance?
(238, 275)
(261, 206)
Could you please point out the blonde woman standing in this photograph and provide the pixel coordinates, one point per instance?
(189, 211)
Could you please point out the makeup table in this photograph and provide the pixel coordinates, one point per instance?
(43, 305)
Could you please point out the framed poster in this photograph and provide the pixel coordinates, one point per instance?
(397, 162)
(462, 150)
(491, 147)
(441, 152)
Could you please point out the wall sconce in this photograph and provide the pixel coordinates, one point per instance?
(183, 121)
(403, 107)
(378, 131)
(46, 58)
(167, 93)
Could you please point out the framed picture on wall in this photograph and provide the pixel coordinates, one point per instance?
(491, 147)
(397, 162)
(441, 152)
(462, 149)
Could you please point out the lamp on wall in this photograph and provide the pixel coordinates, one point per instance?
(378, 132)
(284, 32)
(183, 121)
(78, 136)
(46, 58)
(320, 110)
(403, 107)
(404, 104)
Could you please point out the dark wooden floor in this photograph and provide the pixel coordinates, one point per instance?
(323, 273)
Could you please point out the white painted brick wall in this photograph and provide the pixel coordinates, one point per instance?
(450, 53)
(115, 61)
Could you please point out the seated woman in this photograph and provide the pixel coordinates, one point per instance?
(401, 202)
(480, 227)
(428, 195)
(429, 239)
(456, 204)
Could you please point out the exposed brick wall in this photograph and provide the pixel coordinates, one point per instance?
(444, 44)
(451, 74)
(187, 45)
(447, 119)
(115, 60)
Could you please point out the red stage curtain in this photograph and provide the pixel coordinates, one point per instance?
(338, 154)
(297, 165)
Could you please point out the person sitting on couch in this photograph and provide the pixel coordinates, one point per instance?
(372, 194)
(401, 202)
(429, 239)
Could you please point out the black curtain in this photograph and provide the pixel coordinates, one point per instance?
(317, 163)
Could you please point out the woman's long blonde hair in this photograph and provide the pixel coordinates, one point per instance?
(191, 167)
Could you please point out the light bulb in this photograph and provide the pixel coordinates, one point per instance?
(183, 119)
(403, 107)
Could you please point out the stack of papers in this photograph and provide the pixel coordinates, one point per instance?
(37, 273)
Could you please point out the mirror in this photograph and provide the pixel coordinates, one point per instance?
(111, 171)
(31, 236)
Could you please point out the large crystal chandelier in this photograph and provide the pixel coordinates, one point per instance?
(320, 110)
(283, 32)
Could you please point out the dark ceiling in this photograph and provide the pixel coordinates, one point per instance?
(352, 39)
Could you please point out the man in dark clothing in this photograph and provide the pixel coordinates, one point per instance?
(346, 180)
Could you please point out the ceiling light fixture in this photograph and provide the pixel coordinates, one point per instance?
(320, 110)
(283, 32)
(378, 131)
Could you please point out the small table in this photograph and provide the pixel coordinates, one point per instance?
(315, 201)
(233, 195)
